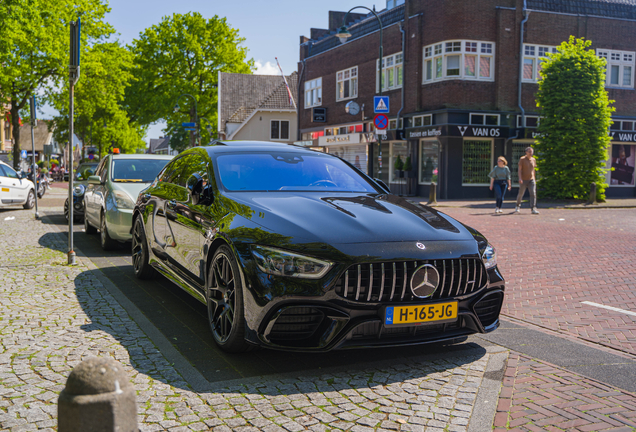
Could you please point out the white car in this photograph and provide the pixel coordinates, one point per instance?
(15, 190)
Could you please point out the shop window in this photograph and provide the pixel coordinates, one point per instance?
(356, 155)
(623, 125)
(622, 162)
(531, 121)
(467, 60)
(279, 129)
(477, 162)
(518, 151)
(400, 149)
(419, 121)
(313, 93)
(347, 84)
(429, 161)
(619, 68)
(484, 119)
(393, 123)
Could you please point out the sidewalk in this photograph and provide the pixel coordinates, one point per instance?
(52, 316)
(489, 203)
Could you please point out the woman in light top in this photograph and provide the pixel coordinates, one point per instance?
(500, 179)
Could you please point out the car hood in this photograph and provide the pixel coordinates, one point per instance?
(348, 218)
(131, 189)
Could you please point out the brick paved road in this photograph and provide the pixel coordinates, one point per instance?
(539, 396)
(556, 260)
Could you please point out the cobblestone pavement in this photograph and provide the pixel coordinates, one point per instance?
(45, 331)
(556, 260)
(539, 396)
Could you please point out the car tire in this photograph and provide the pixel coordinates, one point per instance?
(108, 244)
(30, 201)
(225, 302)
(140, 253)
(76, 218)
(88, 228)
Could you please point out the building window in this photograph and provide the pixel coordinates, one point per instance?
(468, 60)
(477, 162)
(533, 58)
(620, 68)
(393, 123)
(484, 119)
(347, 84)
(313, 93)
(531, 121)
(279, 129)
(429, 161)
(623, 125)
(422, 120)
(391, 72)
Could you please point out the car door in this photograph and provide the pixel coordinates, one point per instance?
(12, 189)
(89, 196)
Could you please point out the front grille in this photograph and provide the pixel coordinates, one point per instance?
(390, 281)
(487, 309)
(376, 331)
(295, 323)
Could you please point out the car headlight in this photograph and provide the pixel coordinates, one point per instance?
(79, 190)
(122, 200)
(281, 263)
(489, 257)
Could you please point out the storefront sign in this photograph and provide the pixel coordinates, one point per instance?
(623, 136)
(304, 143)
(425, 133)
(477, 131)
(319, 114)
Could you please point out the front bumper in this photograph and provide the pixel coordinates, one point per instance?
(331, 322)
(119, 223)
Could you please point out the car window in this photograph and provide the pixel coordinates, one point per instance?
(9, 172)
(281, 171)
(136, 170)
(171, 171)
(85, 171)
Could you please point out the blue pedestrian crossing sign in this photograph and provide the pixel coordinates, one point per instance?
(23, 154)
(381, 104)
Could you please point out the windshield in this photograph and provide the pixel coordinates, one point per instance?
(84, 171)
(137, 170)
(280, 171)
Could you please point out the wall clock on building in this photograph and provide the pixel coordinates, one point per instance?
(352, 108)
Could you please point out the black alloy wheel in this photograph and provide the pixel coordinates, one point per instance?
(30, 202)
(225, 302)
(106, 241)
(88, 228)
(76, 218)
(141, 266)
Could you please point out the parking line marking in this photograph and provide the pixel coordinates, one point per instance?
(609, 308)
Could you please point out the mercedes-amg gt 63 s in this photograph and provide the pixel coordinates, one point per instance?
(295, 249)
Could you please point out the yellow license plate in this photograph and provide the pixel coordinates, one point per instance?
(418, 314)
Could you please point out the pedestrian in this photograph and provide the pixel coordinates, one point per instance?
(500, 180)
(527, 180)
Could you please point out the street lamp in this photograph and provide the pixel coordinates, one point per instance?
(344, 34)
(196, 119)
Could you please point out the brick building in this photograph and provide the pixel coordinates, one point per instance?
(466, 95)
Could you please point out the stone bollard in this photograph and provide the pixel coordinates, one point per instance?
(98, 397)
(592, 199)
(432, 196)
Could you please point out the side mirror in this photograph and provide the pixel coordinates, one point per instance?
(94, 180)
(382, 185)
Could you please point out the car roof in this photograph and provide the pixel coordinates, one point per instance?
(140, 156)
(252, 146)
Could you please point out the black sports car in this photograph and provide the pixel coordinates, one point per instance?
(298, 250)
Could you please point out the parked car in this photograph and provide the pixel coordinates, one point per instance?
(15, 189)
(111, 194)
(298, 250)
(80, 182)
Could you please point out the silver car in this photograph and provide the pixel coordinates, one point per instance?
(112, 192)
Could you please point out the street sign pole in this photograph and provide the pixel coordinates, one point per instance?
(34, 123)
(74, 71)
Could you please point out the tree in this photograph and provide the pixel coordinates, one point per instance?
(183, 54)
(575, 118)
(36, 56)
(100, 118)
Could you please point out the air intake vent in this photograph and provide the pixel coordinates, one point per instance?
(487, 309)
(294, 324)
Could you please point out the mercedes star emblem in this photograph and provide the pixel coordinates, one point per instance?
(424, 281)
(420, 245)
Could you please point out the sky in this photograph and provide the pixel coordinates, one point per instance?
(271, 28)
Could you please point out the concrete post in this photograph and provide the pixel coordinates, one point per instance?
(432, 196)
(98, 397)
(592, 199)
